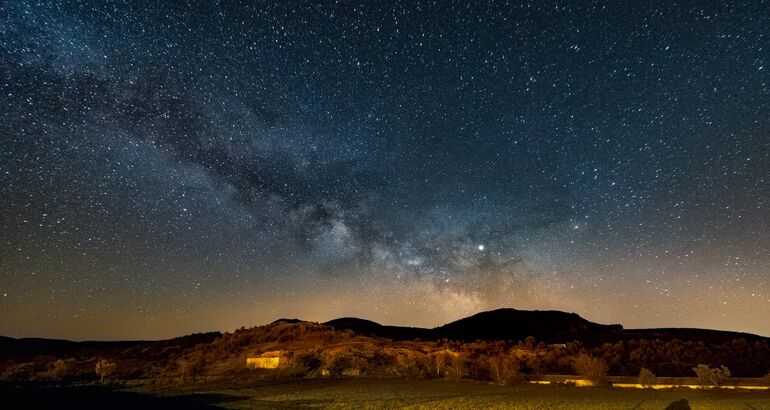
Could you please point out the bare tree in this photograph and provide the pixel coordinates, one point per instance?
(105, 368)
(711, 377)
(505, 369)
(406, 365)
(458, 367)
(593, 368)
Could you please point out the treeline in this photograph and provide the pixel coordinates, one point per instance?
(678, 357)
(314, 350)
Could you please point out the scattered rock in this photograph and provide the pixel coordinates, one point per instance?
(679, 405)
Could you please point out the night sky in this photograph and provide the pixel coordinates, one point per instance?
(171, 168)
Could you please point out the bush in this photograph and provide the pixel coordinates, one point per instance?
(60, 369)
(647, 378)
(592, 368)
(711, 377)
(189, 367)
(21, 371)
(307, 361)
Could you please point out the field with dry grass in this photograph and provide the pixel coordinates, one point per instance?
(363, 393)
(449, 394)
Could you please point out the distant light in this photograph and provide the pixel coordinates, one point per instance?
(481, 247)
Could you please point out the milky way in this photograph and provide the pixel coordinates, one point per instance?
(168, 168)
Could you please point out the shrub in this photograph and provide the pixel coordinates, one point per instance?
(593, 368)
(60, 369)
(189, 367)
(711, 377)
(647, 378)
(21, 371)
(307, 361)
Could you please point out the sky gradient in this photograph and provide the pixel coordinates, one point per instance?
(167, 168)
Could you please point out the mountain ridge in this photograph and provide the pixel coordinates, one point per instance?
(549, 326)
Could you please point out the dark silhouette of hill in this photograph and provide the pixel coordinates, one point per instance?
(549, 326)
(510, 324)
(369, 328)
(29, 347)
(502, 324)
(701, 335)
(285, 320)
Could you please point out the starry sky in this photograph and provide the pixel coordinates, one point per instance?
(173, 167)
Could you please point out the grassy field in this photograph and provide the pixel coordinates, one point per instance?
(363, 393)
(432, 394)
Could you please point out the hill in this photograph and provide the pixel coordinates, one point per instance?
(534, 342)
(502, 324)
(24, 348)
(370, 328)
(549, 326)
(31, 346)
(510, 324)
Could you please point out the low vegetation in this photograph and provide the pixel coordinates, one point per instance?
(647, 379)
(592, 368)
(711, 377)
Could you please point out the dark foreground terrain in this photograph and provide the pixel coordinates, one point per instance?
(96, 397)
(367, 393)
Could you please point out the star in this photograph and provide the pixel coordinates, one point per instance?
(278, 156)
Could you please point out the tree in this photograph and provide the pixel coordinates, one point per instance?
(437, 362)
(458, 365)
(529, 343)
(593, 368)
(61, 369)
(711, 377)
(505, 369)
(647, 378)
(105, 368)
